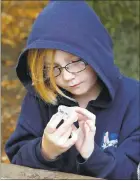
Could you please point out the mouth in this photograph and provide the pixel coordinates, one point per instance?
(76, 85)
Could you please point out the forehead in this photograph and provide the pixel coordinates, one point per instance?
(63, 56)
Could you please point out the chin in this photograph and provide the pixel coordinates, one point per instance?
(79, 92)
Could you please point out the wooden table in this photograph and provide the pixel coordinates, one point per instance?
(11, 171)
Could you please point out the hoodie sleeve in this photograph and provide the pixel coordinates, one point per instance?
(120, 162)
(23, 147)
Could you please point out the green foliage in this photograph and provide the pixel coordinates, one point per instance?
(121, 19)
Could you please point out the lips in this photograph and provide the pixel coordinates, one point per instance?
(75, 85)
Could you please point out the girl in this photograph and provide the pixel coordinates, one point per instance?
(68, 61)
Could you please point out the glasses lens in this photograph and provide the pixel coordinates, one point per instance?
(76, 67)
(56, 71)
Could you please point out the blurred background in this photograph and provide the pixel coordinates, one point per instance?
(121, 18)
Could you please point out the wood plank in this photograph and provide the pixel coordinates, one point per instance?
(11, 171)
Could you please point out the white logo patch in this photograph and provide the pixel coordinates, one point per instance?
(107, 142)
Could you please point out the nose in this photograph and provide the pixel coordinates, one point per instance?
(67, 75)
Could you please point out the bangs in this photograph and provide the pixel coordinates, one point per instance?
(41, 65)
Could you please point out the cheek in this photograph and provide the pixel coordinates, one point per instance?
(94, 75)
(90, 74)
(58, 81)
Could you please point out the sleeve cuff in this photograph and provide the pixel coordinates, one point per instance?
(96, 164)
(51, 163)
(81, 160)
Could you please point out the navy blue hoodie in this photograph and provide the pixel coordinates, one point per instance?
(72, 26)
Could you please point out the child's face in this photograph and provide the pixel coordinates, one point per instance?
(85, 79)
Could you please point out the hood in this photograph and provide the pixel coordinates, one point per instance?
(74, 27)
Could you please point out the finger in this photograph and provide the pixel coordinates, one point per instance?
(88, 144)
(74, 128)
(81, 124)
(87, 129)
(81, 117)
(88, 133)
(79, 130)
(91, 125)
(73, 139)
(79, 114)
(52, 124)
(67, 123)
(65, 136)
(85, 112)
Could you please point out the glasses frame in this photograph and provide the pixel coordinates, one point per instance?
(60, 69)
(65, 67)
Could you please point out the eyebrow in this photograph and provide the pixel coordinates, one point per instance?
(67, 58)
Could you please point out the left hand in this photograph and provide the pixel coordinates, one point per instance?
(85, 141)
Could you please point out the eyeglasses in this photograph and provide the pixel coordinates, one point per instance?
(74, 67)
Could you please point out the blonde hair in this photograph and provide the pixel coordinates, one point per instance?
(37, 60)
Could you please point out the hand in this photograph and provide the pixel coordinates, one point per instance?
(85, 141)
(55, 140)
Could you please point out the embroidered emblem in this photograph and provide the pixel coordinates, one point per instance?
(109, 139)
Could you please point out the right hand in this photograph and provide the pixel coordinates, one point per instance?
(56, 141)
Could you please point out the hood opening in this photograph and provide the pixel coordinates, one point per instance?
(59, 26)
